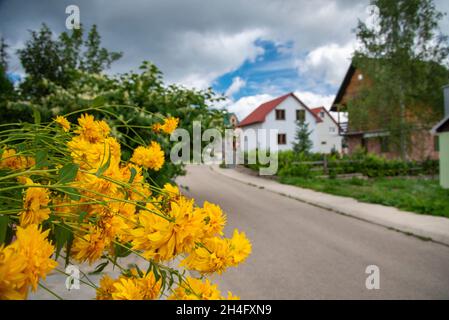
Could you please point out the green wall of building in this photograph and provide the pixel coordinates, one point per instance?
(444, 159)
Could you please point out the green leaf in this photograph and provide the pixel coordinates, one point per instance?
(41, 158)
(99, 268)
(170, 283)
(36, 116)
(62, 236)
(68, 173)
(98, 102)
(82, 216)
(133, 175)
(156, 271)
(139, 271)
(122, 250)
(104, 167)
(71, 192)
(4, 220)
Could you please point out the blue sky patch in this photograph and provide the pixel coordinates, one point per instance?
(273, 72)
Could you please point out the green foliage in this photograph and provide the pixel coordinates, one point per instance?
(416, 195)
(307, 165)
(46, 59)
(6, 87)
(68, 173)
(302, 143)
(4, 222)
(3, 54)
(96, 58)
(402, 57)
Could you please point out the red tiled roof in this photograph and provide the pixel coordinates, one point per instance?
(317, 111)
(259, 114)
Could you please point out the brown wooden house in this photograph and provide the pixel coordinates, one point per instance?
(375, 140)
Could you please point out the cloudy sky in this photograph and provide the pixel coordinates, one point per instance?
(250, 50)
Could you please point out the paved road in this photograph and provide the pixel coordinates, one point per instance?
(304, 252)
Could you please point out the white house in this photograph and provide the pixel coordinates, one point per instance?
(281, 114)
(327, 136)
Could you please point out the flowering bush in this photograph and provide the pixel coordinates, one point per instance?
(65, 191)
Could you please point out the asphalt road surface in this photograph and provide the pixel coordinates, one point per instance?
(304, 252)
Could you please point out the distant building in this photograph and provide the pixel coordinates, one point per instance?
(375, 140)
(281, 114)
(442, 131)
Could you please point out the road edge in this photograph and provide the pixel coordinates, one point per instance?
(420, 231)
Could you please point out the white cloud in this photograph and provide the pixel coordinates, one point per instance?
(236, 85)
(327, 63)
(313, 100)
(245, 105)
(210, 55)
(193, 43)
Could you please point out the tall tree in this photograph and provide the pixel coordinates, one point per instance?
(46, 58)
(97, 58)
(403, 54)
(3, 54)
(41, 57)
(71, 48)
(302, 143)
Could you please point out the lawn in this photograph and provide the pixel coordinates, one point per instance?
(416, 195)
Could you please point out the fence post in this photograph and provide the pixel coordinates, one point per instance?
(326, 171)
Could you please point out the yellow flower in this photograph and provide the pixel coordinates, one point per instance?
(106, 186)
(151, 157)
(139, 190)
(63, 122)
(240, 247)
(91, 156)
(91, 130)
(12, 275)
(171, 190)
(195, 289)
(170, 125)
(11, 160)
(104, 292)
(157, 127)
(89, 247)
(217, 254)
(212, 256)
(32, 244)
(215, 219)
(232, 297)
(35, 204)
(163, 239)
(146, 288)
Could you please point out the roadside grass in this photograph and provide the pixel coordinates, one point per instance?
(416, 195)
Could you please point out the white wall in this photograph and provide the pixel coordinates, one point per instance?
(320, 131)
(327, 131)
(287, 126)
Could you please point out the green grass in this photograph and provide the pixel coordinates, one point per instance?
(416, 195)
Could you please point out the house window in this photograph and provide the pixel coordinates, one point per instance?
(280, 114)
(322, 114)
(301, 115)
(331, 129)
(384, 145)
(323, 142)
(436, 143)
(282, 138)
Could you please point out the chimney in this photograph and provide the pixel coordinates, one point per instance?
(446, 100)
